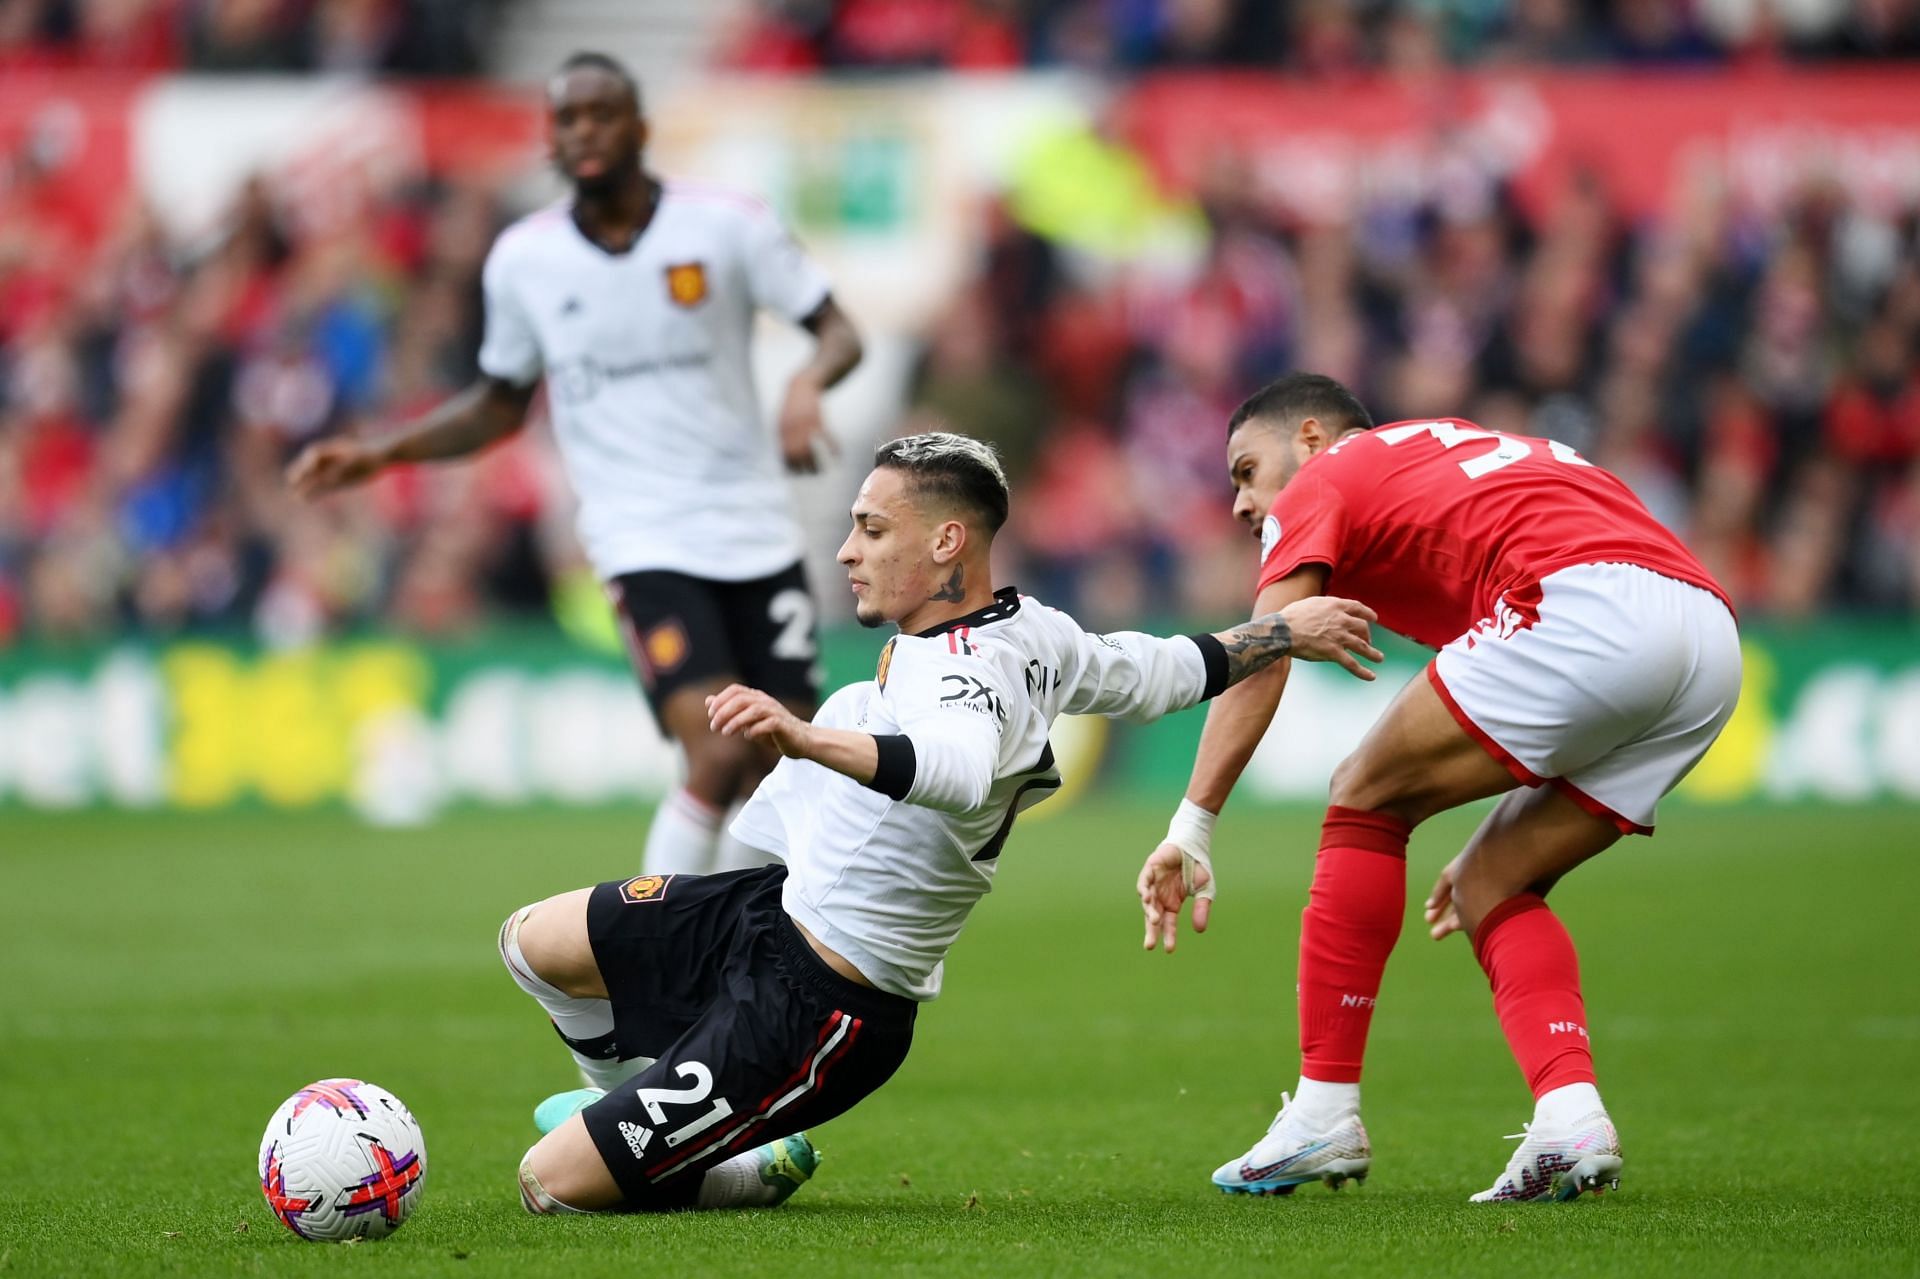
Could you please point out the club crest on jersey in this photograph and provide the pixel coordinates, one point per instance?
(1269, 536)
(886, 664)
(645, 888)
(687, 283)
(666, 647)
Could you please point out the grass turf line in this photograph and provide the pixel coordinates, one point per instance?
(1750, 988)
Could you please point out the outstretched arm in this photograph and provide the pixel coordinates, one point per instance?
(1315, 627)
(1181, 866)
(491, 409)
(836, 352)
(1133, 675)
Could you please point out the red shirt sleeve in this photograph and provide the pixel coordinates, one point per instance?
(1308, 525)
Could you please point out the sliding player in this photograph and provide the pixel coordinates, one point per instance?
(723, 1013)
(1584, 656)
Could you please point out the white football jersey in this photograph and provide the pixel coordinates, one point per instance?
(647, 359)
(886, 873)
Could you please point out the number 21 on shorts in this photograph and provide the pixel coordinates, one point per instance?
(653, 1101)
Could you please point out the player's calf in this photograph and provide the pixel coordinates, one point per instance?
(553, 962)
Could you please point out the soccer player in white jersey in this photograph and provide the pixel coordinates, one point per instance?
(724, 1013)
(635, 300)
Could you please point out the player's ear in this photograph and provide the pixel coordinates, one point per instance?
(1313, 433)
(949, 540)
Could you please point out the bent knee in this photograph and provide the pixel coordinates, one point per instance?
(563, 1172)
(1477, 891)
(718, 768)
(548, 942)
(1366, 783)
(1359, 783)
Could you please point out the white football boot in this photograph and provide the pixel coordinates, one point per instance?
(1292, 1154)
(1560, 1163)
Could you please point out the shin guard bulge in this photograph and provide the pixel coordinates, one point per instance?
(1535, 975)
(1351, 923)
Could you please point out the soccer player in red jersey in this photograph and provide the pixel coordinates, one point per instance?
(1586, 662)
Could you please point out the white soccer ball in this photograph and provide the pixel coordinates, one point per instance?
(342, 1159)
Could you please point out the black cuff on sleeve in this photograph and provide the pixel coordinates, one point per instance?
(893, 774)
(1215, 654)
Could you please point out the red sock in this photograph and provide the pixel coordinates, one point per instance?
(1346, 933)
(1535, 975)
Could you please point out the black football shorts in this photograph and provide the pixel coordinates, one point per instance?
(755, 1037)
(683, 630)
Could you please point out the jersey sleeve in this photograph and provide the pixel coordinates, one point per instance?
(1307, 525)
(510, 349)
(1130, 675)
(780, 276)
(952, 711)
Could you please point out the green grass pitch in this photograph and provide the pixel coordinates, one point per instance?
(1753, 984)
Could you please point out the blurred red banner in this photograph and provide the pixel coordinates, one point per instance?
(71, 144)
(1320, 149)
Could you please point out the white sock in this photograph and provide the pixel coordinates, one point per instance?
(682, 838)
(606, 1074)
(1325, 1103)
(577, 1017)
(734, 855)
(1565, 1106)
(736, 1183)
(732, 1183)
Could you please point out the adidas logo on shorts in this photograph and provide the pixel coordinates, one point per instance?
(637, 1137)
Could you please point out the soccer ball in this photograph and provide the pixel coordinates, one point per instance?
(342, 1159)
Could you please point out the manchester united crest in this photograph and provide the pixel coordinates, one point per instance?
(687, 283)
(666, 647)
(645, 888)
(886, 664)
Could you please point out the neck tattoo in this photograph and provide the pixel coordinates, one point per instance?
(955, 590)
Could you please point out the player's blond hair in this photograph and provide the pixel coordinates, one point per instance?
(955, 467)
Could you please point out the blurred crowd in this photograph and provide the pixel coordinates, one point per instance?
(154, 394)
(1756, 381)
(406, 37)
(1755, 378)
(1314, 37)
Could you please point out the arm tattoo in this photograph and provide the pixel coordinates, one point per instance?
(1254, 646)
(956, 588)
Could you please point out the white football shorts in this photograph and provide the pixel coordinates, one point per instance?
(1612, 696)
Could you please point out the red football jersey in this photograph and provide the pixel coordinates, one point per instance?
(1436, 524)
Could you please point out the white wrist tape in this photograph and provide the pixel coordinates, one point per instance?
(1191, 831)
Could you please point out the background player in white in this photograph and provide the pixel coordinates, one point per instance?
(636, 300)
(726, 1012)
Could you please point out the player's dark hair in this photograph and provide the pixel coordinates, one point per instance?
(594, 60)
(956, 468)
(1298, 396)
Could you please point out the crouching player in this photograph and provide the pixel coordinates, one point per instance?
(1586, 663)
(724, 1013)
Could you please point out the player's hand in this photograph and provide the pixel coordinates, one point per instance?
(1329, 629)
(739, 711)
(801, 426)
(331, 465)
(1163, 888)
(1442, 917)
